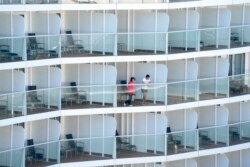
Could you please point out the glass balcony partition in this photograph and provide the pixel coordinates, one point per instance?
(182, 142)
(10, 2)
(141, 145)
(213, 137)
(172, 1)
(239, 133)
(34, 47)
(42, 100)
(5, 158)
(222, 87)
(156, 95)
(214, 38)
(140, 43)
(94, 96)
(53, 152)
(5, 106)
(124, 1)
(109, 96)
(245, 36)
(182, 92)
(145, 43)
(87, 149)
(141, 1)
(75, 44)
(30, 102)
(89, 1)
(208, 39)
(43, 154)
(239, 85)
(42, 1)
(244, 132)
(12, 157)
(95, 44)
(69, 148)
(223, 38)
(213, 88)
(18, 104)
(100, 96)
(124, 44)
(42, 47)
(12, 49)
(17, 157)
(234, 134)
(127, 146)
(14, 2)
(103, 44)
(12, 105)
(182, 41)
(207, 89)
(236, 38)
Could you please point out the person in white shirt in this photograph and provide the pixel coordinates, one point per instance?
(145, 82)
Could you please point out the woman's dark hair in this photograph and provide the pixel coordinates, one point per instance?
(147, 76)
(132, 78)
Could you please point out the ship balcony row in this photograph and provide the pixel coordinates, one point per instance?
(122, 135)
(5, 2)
(121, 32)
(69, 148)
(35, 101)
(237, 158)
(88, 45)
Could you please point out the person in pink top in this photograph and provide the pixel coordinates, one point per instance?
(131, 91)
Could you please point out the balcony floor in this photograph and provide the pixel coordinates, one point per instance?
(239, 141)
(210, 145)
(125, 153)
(38, 163)
(172, 50)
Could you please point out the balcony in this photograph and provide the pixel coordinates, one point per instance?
(11, 2)
(126, 146)
(121, 44)
(101, 96)
(30, 102)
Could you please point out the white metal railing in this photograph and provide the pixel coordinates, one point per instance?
(11, 2)
(14, 104)
(120, 43)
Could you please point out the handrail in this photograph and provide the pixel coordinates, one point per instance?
(127, 33)
(86, 2)
(151, 85)
(125, 136)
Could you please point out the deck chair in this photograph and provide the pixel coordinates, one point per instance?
(73, 95)
(33, 47)
(123, 90)
(234, 133)
(79, 97)
(4, 51)
(4, 104)
(32, 152)
(73, 45)
(123, 144)
(174, 140)
(203, 137)
(33, 100)
(77, 147)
